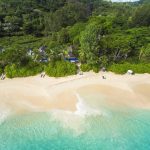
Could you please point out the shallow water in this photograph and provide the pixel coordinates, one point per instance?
(112, 129)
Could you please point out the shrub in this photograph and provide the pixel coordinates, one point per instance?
(1, 71)
(96, 69)
(61, 69)
(123, 68)
(31, 69)
(86, 67)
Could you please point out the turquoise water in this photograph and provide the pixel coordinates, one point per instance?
(121, 130)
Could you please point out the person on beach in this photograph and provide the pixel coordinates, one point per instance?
(43, 74)
(2, 76)
(103, 77)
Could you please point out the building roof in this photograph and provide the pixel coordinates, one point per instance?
(72, 59)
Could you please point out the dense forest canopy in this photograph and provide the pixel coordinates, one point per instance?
(99, 33)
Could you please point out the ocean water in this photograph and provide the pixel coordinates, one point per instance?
(111, 129)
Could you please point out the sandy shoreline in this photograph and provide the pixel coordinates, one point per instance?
(36, 94)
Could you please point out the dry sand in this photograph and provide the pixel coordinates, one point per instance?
(37, 94)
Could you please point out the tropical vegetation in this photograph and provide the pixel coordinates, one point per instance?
(38, 35)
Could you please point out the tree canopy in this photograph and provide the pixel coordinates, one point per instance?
(99, 33)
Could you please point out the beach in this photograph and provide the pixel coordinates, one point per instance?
(81, 112)
(37, 94)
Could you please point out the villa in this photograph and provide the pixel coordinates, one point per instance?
(2, 49)
(43, 55)
(70, 56)
(30, 52)
(72, 59)
(42, 49)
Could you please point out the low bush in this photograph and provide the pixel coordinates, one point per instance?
(123, 68)
(13, 71)
(85, 67)
(1, 71)
(61, 69)
(96, 69)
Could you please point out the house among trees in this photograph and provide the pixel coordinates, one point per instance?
(70, 56)
(42, 49)
(2, 49)
(70, 51)
(7, 26)
(73, 60)
(30, 52)
(44, 60)
(42, 53)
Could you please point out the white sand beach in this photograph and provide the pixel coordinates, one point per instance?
(36, 94)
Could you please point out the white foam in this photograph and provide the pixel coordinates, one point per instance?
(83, 109)
(4, 113)
(69, 120)
(75, 120)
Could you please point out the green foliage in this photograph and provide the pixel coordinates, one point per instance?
(99, 32)
(61, 69)
(1, 71)
(63, 36)
(142, 16)
(91, 40)
(13, 70)
(123, 68)
(122, 17)
(86, 67)
(89, 44)
(96, 69)
(144, 1)
(119, 46)
(74, 32)
(38, 16)
(104, 61)
(145, 53)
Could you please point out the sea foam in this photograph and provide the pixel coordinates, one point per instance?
(76, 120)
(83, 109)
(4, 113)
